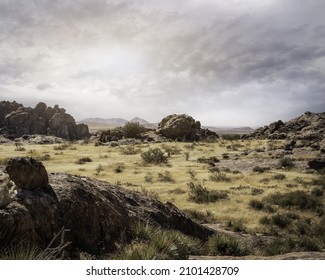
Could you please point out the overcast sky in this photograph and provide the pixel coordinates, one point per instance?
(224, 62)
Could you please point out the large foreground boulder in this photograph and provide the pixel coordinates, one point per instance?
(98, 214)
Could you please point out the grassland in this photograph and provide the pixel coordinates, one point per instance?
(245, 171)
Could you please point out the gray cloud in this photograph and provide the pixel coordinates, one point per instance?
(224, 62)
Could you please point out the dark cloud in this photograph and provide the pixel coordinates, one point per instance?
(207, 58)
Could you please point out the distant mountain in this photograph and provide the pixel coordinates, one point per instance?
(144, 122)
(101, 123)
(230, 129)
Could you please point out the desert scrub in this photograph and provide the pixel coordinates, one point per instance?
(133, 130)
(279, 177)
(260, 169)
(154, 156)
(200, 194)
(119, 168)
(129, 150)
(165, 177)
(220, 177)
(219, 245)
(286, 162)
(83, 160)
(171, 150)
(296, 199)
(19, 147)
(160, 243)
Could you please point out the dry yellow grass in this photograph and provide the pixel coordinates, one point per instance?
(111, 165)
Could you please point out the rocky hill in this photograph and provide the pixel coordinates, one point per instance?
(17, 120)
(308, 130)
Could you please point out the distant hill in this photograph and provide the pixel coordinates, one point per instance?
(95, 124)
(230, 130)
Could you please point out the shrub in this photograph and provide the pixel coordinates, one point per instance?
(166, 177)
(119, 168)
(286, 162)
(19, 147)
(209, 160)
(279, 177)
(226, 246)
(171, 150)
(133, 129)
(166, 244)
(317, 191)
(154, 156)
(61, 147)
(298, 199)
(220, 177)
(256, 204)
(256, 191)
(192, 173)
(260, 169)
(129, 150)
(83, 160)
(200, 194)
(99, 169)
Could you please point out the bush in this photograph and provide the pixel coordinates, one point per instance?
(256, 191)
(200, 194)
(279, 177)
(297, 199)
(260, 169)
(154, 156)
(286, 162)
(129, 150)
(220, 177)
(83, 160)
(226, 246)
(256, 204)
(166, 177)
(133, 129)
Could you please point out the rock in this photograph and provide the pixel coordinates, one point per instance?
(317, 163)
(98, 214)
(178, 127)
(307, 130)
(27, 173)
(16, 121)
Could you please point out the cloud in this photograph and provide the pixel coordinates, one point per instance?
(226, 62)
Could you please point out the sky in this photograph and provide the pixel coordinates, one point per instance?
(224, 62)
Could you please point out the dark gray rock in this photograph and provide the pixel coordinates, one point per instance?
(27, 173)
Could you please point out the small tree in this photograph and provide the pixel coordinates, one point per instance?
(133, 129)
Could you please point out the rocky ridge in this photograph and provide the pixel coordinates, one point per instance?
(17, 121)
(308, 130)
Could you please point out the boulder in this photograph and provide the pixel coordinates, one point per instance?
(98, 214)
(180, 127)
(317, 163)
(27, 173)
(16, 121)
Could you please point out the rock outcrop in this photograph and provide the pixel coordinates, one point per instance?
(17, 120)
(183, 127)
(307, 130)
(98, 214)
